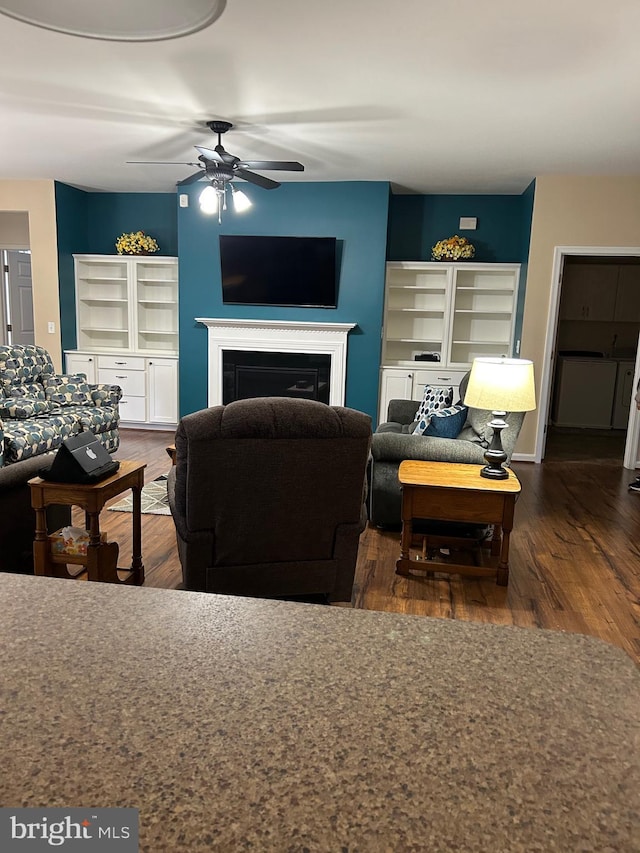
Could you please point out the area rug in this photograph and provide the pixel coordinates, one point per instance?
(153, 499)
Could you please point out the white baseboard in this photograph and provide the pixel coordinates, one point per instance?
(523, 457)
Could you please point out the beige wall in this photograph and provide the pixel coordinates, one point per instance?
(14, 230)
(37, 199)
(569, 211)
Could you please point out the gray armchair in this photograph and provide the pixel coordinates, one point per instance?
(268, 497)
(393, 442)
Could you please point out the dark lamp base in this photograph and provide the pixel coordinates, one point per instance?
(494, 473)
(494, 455)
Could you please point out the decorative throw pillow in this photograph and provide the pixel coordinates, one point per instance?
(69, 394)
(445, 423)
(434, 398)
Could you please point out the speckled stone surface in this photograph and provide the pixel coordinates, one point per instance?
(240, 724)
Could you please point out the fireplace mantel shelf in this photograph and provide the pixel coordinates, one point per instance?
(302, 325)
(277, 336)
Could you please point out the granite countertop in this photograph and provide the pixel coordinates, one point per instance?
(243, 724)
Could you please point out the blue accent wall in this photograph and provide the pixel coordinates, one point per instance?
(71, 225)
(90, 223)
(417, 222)
(355, 213)
(113, 214)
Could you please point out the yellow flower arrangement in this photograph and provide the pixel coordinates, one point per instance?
(452, 249)
(136, 243)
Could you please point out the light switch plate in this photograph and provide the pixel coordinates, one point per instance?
(184, 200)
(468, 223)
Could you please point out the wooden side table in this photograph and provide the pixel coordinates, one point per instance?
(447, 491)
(102, 557)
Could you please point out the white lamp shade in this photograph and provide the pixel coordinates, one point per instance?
(501, 385)
(208, 200)
(241, 201)
(117, 20)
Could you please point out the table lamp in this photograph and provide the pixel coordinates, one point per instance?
(501, 385)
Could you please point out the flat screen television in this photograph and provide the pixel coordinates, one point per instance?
(289, 271)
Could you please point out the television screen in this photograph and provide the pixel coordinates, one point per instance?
(278, 271)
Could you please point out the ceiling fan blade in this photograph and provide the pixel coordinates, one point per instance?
(284, 165)
(161, 162)
(209, 154)
(192, 178)
(259, 180)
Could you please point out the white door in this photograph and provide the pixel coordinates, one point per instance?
(20, 297)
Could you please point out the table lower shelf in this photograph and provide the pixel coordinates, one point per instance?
(100, 563)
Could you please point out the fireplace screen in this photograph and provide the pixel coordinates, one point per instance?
(275, 374)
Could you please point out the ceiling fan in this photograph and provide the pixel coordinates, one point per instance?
(219, 166)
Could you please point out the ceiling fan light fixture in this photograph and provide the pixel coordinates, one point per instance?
(118, 20)
(241, 201)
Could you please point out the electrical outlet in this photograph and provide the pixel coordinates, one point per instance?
(468, 223)
(51, 328)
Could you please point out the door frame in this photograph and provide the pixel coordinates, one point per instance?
(549, 358)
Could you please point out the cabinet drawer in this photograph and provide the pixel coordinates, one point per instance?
(133, 408)
(117, 361)
(438, 376)
(132, 382)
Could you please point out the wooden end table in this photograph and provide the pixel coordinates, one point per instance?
(448, 491)
(102, 557)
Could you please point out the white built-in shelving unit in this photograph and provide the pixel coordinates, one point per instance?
(127, 332)
(454, 311)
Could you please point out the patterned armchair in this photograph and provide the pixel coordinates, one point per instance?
(39, 408)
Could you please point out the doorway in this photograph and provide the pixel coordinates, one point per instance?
(17, 297)
(591, 354)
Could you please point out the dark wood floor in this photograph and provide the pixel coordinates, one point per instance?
(575, 551)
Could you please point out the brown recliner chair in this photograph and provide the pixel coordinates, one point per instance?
(268, 497)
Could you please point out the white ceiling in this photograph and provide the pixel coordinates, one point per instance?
(456, 96)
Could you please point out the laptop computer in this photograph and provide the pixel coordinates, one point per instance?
(80, 459)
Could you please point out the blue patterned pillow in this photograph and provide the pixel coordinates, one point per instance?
(445, 423)
(434, 398)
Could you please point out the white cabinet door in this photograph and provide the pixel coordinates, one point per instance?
(163, 390)
(395, 384)
(78, 362)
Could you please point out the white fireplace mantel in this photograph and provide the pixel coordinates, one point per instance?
(278, 336)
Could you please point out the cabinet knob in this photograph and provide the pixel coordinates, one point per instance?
(90, 359)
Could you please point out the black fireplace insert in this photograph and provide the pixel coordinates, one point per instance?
(275, 374)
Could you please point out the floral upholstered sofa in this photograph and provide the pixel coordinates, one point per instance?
(39, 408)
